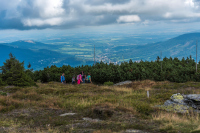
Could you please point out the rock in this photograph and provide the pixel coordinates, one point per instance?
(196, 97)
(134, 131)
(91, 120)
(182, 103)
(177, 98)
(67, 114)
(193, 100)
(123, 83)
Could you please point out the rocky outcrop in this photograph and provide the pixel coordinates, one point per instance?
(182, 103)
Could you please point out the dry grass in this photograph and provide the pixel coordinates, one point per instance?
(103, 131)
(197, 129)
(103, 101)
(15, 129)
(144, 85)
(123, 89)
(171, 117)
(176, 122)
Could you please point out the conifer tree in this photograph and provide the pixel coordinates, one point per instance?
(13, 73)
(1, 82)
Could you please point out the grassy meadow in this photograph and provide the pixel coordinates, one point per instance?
(111, 108)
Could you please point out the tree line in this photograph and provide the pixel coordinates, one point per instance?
(170, 69)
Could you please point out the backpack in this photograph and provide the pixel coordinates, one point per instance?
(77, 77)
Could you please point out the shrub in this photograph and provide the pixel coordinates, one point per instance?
(12, 89)
(44, 77)
(143, 108)
(108, 83)
(3, 93)
(8, 104)
(33, 96)
(2, 83)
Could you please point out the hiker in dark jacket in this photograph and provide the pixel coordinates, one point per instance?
(83, 77)
(62, 78)
(73, 80)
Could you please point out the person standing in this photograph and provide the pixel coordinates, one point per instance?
(89, 78)
(79, 78)
(83, 77)
(73, 79)
(62, 78)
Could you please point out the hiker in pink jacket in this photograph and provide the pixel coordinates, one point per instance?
(79, 78)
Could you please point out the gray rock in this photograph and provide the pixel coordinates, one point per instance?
(91, 120)
(67, 114)
(123, 83)
(192, 100)
(182, 103)
(134, 131)
(195, 97)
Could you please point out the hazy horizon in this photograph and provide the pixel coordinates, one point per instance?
(40, 19)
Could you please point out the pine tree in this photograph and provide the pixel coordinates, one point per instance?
(158, 59)
(13, 73)
(1, 82)
(29, 65)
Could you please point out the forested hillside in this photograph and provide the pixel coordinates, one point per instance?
(172, 69)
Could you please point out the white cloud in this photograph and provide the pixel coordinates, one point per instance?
(40, 22)
(49, 8)
(190, 3)
(72, 13)
(128, 19)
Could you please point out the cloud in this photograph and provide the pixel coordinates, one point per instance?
(39, 14)
(40, 22)
(128, 19)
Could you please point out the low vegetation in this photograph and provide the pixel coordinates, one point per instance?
(108, 108)
(26, 106)
(108, 83)
(169, 69)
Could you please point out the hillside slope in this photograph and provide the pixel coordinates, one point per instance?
(39, 58)
(41, 55)
(181, 46)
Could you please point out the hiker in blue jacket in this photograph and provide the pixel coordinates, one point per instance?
(62, 78)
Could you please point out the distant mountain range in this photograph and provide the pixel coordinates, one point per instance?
(41, 55)
(181, 46)
(38, 54)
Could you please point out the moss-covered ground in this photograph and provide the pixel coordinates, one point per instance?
(111, 108)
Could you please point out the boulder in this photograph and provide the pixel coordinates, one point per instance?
(193, 100)
(182, 103)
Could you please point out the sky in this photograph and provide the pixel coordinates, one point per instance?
(125, 15)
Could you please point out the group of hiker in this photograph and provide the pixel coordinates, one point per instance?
(80, 78)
